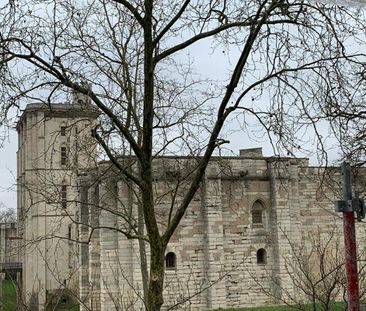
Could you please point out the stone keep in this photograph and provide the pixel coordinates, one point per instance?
(239, 244)
(53, 144)
(247, 224)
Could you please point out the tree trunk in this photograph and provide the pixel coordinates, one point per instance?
(155, 291)
(142, 249)
(157, 248)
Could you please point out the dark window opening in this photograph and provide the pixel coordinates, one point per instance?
(257, 217)
(170, 261)
(69, 234)
(261, 256)
(257, 210)
(63, 155)
(63, 130)
(63, 196)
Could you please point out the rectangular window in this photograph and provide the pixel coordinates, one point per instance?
(63, 196)
(69, 234)
(63, 156)
(257, 216)
(63, 131)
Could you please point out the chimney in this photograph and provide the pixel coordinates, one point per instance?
(251, 153)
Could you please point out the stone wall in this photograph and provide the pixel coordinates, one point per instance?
(237, 245)
(216, 245)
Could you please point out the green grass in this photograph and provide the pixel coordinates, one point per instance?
(270, 308)
(9, 296)
(337, 306)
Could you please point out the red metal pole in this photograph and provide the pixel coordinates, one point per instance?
(351, 261)
(350, 241)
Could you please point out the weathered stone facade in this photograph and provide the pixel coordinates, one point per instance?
(232, 248)
(218, 244)
(54, 143)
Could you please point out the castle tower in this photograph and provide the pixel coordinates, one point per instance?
(54, 143)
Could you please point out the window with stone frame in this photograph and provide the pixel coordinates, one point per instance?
(69, 232)
(63, 155)
(261, 256)
(63, 130)
(63, 196)
(170, 261)
(257, 212)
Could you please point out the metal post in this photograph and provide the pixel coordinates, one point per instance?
(350, 242)
(2, 257)
(1, 291)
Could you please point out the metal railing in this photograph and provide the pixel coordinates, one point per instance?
(10, 266)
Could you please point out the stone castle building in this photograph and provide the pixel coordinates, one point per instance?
(53, 145)
(236, 246)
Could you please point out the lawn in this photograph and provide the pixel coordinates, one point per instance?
(9, 296)
(338, 306)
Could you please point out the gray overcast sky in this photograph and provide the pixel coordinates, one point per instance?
(8, 152)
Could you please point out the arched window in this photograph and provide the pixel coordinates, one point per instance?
(170, 261)
(257, 211)
(261, 256)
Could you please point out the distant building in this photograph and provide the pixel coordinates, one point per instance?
(9, 244)
(10, 261)
(232, 249)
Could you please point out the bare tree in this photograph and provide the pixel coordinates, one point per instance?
(7, 214)
(131, 58)
(316, 271)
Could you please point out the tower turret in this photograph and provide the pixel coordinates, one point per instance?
(54, 143)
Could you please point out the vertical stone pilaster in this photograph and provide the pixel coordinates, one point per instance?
(110, 293)
(294, 203)
(94, 248)
(84, 248)
(126, 258)
(284, 222)
(274, 230)
(214, 252)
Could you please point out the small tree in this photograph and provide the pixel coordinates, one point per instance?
(7, 214)
(316, 271)
(291, 60)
